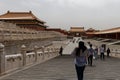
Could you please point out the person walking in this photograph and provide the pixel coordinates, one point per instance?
(80, 54)
(102, 50)
(108, 52)
(91, 53)
(61, 50)
(96, 52)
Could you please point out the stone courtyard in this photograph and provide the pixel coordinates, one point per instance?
(62, 68)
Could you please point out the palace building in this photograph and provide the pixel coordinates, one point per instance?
(90, 32)
(113, 33)
(24, 20)
(77, 31)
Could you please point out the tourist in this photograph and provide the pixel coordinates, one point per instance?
(108, 52)
(89, 43)
(73, 40)
(102, 50)
(61, 50)
(80, 53)
(96, 52)
(90, 57)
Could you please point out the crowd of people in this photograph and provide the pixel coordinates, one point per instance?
(84, 56)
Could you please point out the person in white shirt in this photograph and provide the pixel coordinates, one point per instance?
(102, 50)
(91, 53)
(96, 52)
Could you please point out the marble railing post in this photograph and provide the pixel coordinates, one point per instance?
(2, 59)
(23, 52)
(35, 50)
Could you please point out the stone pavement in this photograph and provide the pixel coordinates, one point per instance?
(62, 68)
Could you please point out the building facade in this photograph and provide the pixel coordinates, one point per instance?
(23, 20)
(90, 32)
(113, 33)
(77, 31)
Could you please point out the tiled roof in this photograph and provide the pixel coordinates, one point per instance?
(19, 16)
(77, 29)
(113, 30)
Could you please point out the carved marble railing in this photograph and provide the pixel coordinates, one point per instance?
(13, 62)
(13, 37)
(115, 52)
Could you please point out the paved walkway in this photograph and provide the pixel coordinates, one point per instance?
(62, 68)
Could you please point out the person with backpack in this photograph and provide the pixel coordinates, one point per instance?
(91, 53)
(80, 54)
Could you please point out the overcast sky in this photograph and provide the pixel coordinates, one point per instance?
(98, 14)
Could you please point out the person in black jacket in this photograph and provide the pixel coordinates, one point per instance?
(108, 52)
(61, 50)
